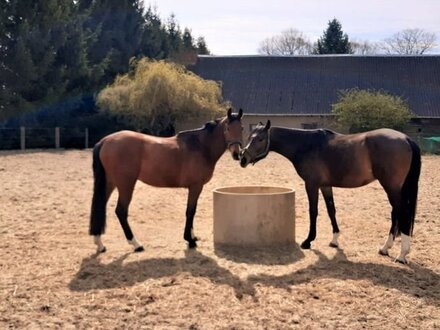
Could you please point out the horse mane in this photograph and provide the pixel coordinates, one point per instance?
(209, 127)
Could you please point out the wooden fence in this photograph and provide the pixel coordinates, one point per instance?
(58, 137)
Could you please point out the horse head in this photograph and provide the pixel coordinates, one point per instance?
(257, 146)
(233, 130)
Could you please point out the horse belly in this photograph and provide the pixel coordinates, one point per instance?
(160, 175)
(357, 175)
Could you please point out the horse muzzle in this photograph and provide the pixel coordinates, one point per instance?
(236, 150)
(244, 157)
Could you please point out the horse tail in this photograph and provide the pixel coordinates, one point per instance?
(410, 190)
(99, 200)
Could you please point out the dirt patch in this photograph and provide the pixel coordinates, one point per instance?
(51, 278)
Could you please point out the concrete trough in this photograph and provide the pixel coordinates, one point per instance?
(254, 216)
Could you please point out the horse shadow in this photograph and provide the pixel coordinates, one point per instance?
(95, 275)
(411, 279)
(278, 255)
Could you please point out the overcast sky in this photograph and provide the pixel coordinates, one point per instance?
(236, 27)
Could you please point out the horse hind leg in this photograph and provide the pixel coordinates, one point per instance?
(97, 234)
(400, 224)
(391, 236)
(124, 199)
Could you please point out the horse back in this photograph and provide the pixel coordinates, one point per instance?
(157, 161)
(355, 160)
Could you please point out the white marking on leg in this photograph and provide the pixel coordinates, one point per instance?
(334, 241)
(135, 243)
(98, 242)
(404, 249)
(192, 233)
(388, 244)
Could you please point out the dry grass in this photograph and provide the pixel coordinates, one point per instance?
(50, 277)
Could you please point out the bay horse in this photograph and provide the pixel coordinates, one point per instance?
(326, 159)
(185, 160)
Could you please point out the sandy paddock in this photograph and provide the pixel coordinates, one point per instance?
(51, 278)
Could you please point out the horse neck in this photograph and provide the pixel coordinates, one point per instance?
(291, 143)
(215, 142)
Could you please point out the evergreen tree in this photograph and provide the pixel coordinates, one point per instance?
(202, 48)
(154, 41)
(333, 41)
(57, 50)
(174, 34)
(116, 28)
(34, 60)
(187, 40)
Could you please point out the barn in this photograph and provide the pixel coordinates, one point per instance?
(298, 91)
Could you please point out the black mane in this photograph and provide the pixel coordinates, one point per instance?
(209, 126)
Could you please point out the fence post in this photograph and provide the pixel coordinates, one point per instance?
(22, 138)
(86, 137)
(57, 137)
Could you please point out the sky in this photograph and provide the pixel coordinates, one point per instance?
(236, 27)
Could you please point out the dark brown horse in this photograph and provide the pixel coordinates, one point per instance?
(325, 159)
(185, 160)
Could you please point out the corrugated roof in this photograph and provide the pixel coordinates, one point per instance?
(310, 84)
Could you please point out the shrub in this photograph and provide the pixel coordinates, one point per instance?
(154, 95)
(363, 110)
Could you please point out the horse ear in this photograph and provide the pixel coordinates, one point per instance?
(261, 123)
(240, 113)
(267, 124)
(229, 113)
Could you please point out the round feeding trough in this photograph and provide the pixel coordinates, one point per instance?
(254, 216)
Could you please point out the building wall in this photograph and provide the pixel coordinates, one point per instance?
(417, 128)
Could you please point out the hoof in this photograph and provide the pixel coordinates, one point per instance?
(401, 261)
(101, 250)
(382, 253)
(139, 249)
(192, 244)
(305, 245)
(333, 245)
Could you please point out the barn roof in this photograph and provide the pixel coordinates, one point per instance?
(308, 85)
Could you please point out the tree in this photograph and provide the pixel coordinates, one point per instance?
(154, 41)
(410, 42)
(57, 50)
(42, 58)
(289, 42)
(334, 40)
(364, 110)
(116, 28)
(364, 47)
(155, 95)
(202, 48)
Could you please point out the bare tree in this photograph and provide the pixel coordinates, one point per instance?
(289, 42)
(410, 42)
(364, 47)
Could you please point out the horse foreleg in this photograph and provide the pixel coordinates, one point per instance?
(312, 194)
(193, 196)
(327, 193)
(124, 199)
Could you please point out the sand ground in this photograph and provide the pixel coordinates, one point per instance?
(51, 278)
